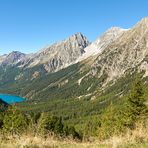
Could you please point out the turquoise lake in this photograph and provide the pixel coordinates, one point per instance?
(11, 98)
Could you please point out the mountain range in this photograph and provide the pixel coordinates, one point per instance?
(77, 69)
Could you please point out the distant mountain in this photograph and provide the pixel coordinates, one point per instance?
(53, 58)
(12, 58)
(126, 53)
(60, 54)
(102, 42)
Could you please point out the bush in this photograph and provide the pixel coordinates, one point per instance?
(111, 123)
(48, 123)
(32, 120)
(14, 121)
(71, 131)
(52, 124)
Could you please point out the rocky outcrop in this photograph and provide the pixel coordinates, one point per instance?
(60, 54)
(12, 58)
(53, 58)
(128, 51)
(102, 42)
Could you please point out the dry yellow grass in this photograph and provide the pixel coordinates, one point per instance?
(135, 137)
(51, 142)
(130, 139)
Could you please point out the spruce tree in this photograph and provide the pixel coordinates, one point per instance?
(109, 123)
(14, 121)
(136, 108)
(58, 126)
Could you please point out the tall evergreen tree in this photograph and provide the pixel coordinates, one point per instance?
(136, 108)
(14, 121)
(58, 126)
(110, 123)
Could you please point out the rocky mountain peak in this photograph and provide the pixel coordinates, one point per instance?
(77, 35)
(141, 26)
(113, 32)
(128, 51)
(16, 53)
(144, 20)
(78, 39)
(114, 29)
(13, 58)
(102, 42)
(60, 54)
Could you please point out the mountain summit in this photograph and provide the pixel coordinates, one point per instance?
(129, 51)
(60, 54)
(102, 42)
(12, 58)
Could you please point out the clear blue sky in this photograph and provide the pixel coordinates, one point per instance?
(28, 25)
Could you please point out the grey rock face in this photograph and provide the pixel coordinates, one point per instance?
(53, 58)
(12, 58)
(2, 58)
(102, 42)
(61, 54)
(128, 51)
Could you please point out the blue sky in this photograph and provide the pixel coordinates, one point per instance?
(28, 25)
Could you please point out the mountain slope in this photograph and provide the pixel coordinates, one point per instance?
(102, 42)
(127, 52)
(60, 54)
(51, 58)
(12, 58)
(55, 57)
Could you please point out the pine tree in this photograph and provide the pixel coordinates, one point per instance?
(58, 127)
(72, 132)
(109, 123)
(14, 121)
(136, 108)
(50, 124)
